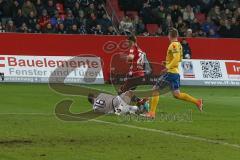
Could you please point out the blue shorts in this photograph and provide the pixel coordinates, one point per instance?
(173, 79)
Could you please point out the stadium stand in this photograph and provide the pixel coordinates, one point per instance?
(200, 18)
(54, 16)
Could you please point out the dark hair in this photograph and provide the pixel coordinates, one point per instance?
(173, 32)
(91, 98)
(132, 38)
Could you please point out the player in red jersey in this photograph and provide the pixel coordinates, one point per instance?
(137, 71)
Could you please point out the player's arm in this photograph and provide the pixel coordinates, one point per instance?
(130, 56)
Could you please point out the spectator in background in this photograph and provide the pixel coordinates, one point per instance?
(226, 14)
(28, 7)
(146, 13)
(10, 27)
(98, 30)
(195, 25)
(175, 13)
(73, 29)
(188, 14)
(44, 19)
(49, 29)
(70, 3)
(91, 9)
(168, 23)
(215, 14)
(189, 33)
(32, 21)
(208, 25)
(37, 29)
(76, 9)
(100, 11)
(5, 8)
(232, 4)
(91, 23)
(181, 26)
(23, 28)
(206, 5)
(2, 29)
(50, 8)
(160, 14)
(105, 22)
(187, 53)
(19, 19)
(39, 7)
(200, 33)
(225, 29)
(160, 32)
(111, 31)
(82, 29)
(80, 19)
(126, 26)
(69, 20)
(84, 3)
(139, 27)
(61, 29)
(15, 7)
(55, 20)
(213, 34)
(235, 28)
(237, 13)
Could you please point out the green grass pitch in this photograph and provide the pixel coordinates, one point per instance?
(29, 130)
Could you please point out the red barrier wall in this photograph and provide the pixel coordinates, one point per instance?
(62, 45)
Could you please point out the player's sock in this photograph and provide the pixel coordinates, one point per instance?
(187, 97)
(154, 102)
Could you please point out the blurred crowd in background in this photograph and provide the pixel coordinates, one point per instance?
(193, 18)
(55, 16)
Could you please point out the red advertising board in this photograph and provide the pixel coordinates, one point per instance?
(233, 68)
(106, 46)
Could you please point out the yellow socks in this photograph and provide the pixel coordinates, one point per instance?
(154, 102)
(182, 96)
(187, 97)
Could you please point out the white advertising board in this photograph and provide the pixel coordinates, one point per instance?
(39, 69)
(210, 72)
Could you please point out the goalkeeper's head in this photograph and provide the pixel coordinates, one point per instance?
(91, 98)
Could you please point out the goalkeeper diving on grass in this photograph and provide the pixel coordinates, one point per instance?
(119, 105)
(171, 75)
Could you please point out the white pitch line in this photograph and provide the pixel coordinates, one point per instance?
(171, 134)
(142, 128)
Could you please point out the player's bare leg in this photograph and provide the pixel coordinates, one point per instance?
(186, 97)
(131, 84)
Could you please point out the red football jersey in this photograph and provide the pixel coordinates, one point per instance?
(136, 68)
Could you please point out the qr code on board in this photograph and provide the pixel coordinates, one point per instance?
(211, 69)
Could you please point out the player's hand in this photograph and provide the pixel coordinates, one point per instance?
(164, 71)
(163, 63)
(130, 57)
